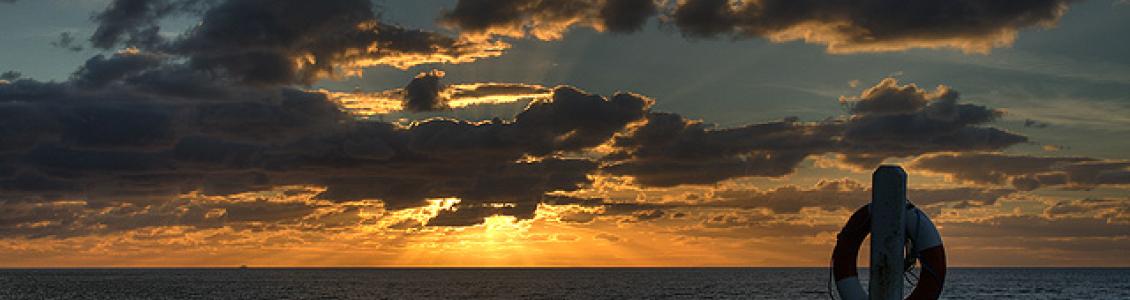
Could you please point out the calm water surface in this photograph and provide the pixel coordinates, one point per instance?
(801, 283)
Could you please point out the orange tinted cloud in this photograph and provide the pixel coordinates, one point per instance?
(547, 20)
(842, 27)
(426, 93)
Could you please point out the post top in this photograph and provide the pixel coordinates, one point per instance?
(890, 170)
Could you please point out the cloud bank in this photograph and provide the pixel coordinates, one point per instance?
(841, 26)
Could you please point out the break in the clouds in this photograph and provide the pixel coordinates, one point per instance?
(1028, 172)
(273, 42)
(842, 26)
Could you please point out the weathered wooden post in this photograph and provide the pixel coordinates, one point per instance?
(888, 203)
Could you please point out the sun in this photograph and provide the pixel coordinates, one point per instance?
(503, 230)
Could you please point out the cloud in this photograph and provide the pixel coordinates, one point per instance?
(67, 41)
(729, 207)
(547, 19)
(870, 26)
(1035, 124)
(848, 194)
(1027, 172)
(124, 132)
(100, 70)
(1036, 226)
(61, 219)
(1113, 210)
(422, 94)
(136, 22)
(426, 93)
(888, 97)
(282, 42)
(214, 112)
(136, 129)
(10, 75)
(842, 27)
(670, 150)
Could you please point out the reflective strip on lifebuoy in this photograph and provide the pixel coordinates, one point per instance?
(926, 243)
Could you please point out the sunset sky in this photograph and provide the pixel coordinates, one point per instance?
(556, 132)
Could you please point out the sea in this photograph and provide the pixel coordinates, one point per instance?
(535, 283)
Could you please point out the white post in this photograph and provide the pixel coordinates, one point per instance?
(888, 201)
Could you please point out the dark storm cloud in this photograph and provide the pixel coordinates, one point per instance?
(100, 70)
(280, 42)
(547, 19)
(705, 18)
(671, 150)
(467, 215)
(942, 124)
(627, 15)
(842, 26)
(1027, 172)
(136, 22)
(264, 41)
(422, 93)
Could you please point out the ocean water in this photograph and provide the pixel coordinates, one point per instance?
(648, 283)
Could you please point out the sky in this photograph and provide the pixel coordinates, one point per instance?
(533, 133)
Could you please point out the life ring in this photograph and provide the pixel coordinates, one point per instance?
(926, 245)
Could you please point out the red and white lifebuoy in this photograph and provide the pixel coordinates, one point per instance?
(926, 244)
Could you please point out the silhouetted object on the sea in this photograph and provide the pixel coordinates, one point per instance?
(891, 220)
